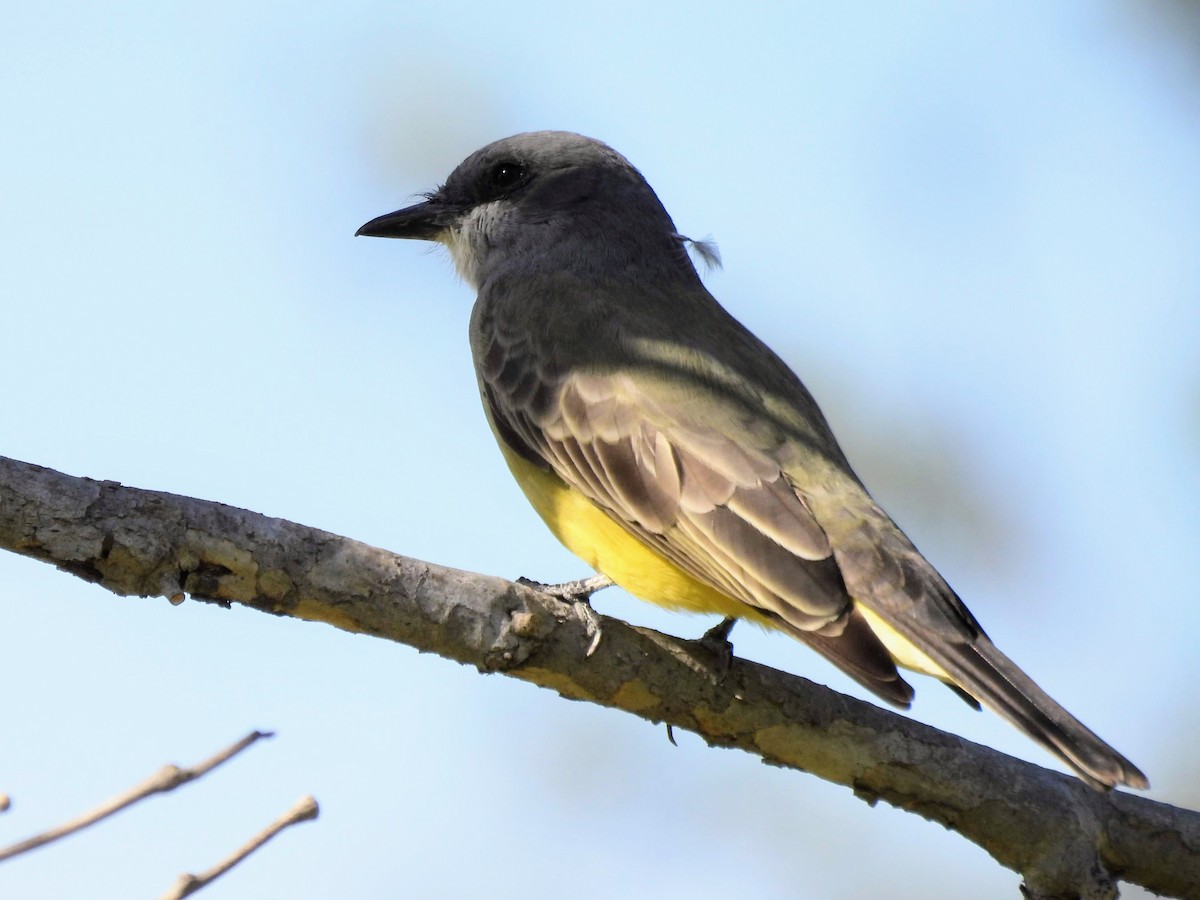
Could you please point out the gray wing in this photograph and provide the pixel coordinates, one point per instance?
(749, 495)
(721, 511)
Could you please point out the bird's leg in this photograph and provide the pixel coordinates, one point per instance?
(718, 635)
(716, 641)
(577, 593)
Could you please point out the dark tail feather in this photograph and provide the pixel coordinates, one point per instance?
(991, 677)
(858, 653)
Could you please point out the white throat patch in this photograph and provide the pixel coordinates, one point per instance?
(470, 241)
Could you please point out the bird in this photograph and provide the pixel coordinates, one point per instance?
(675, 453)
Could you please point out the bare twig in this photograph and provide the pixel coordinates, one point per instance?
(1065, 839)
(305, 809)
(165, 779)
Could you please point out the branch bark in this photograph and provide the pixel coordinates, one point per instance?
(1065, 839)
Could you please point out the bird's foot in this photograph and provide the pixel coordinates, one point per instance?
(716, 641)
(577, 593)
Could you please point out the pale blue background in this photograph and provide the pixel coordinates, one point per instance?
(973, 229)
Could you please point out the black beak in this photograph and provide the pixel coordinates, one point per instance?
(423, 222)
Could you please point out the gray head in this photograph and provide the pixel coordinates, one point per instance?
(546, 201)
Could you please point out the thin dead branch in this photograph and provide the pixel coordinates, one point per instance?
(165, 779)
(305, 809)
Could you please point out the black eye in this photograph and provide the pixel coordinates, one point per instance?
(505, 175)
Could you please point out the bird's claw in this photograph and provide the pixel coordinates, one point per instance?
(591, 624)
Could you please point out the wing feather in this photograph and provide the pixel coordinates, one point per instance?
(728, 514)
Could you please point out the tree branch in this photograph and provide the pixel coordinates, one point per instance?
(165, 779)
(303, 810)
(1065, 839)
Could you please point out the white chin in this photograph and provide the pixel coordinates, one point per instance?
(468, 242)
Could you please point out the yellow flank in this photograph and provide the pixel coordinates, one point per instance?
(597, 539)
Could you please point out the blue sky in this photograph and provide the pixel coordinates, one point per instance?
(972, 230)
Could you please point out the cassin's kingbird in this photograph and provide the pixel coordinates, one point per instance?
(672, 451)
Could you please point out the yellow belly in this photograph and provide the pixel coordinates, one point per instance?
(597, 539)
